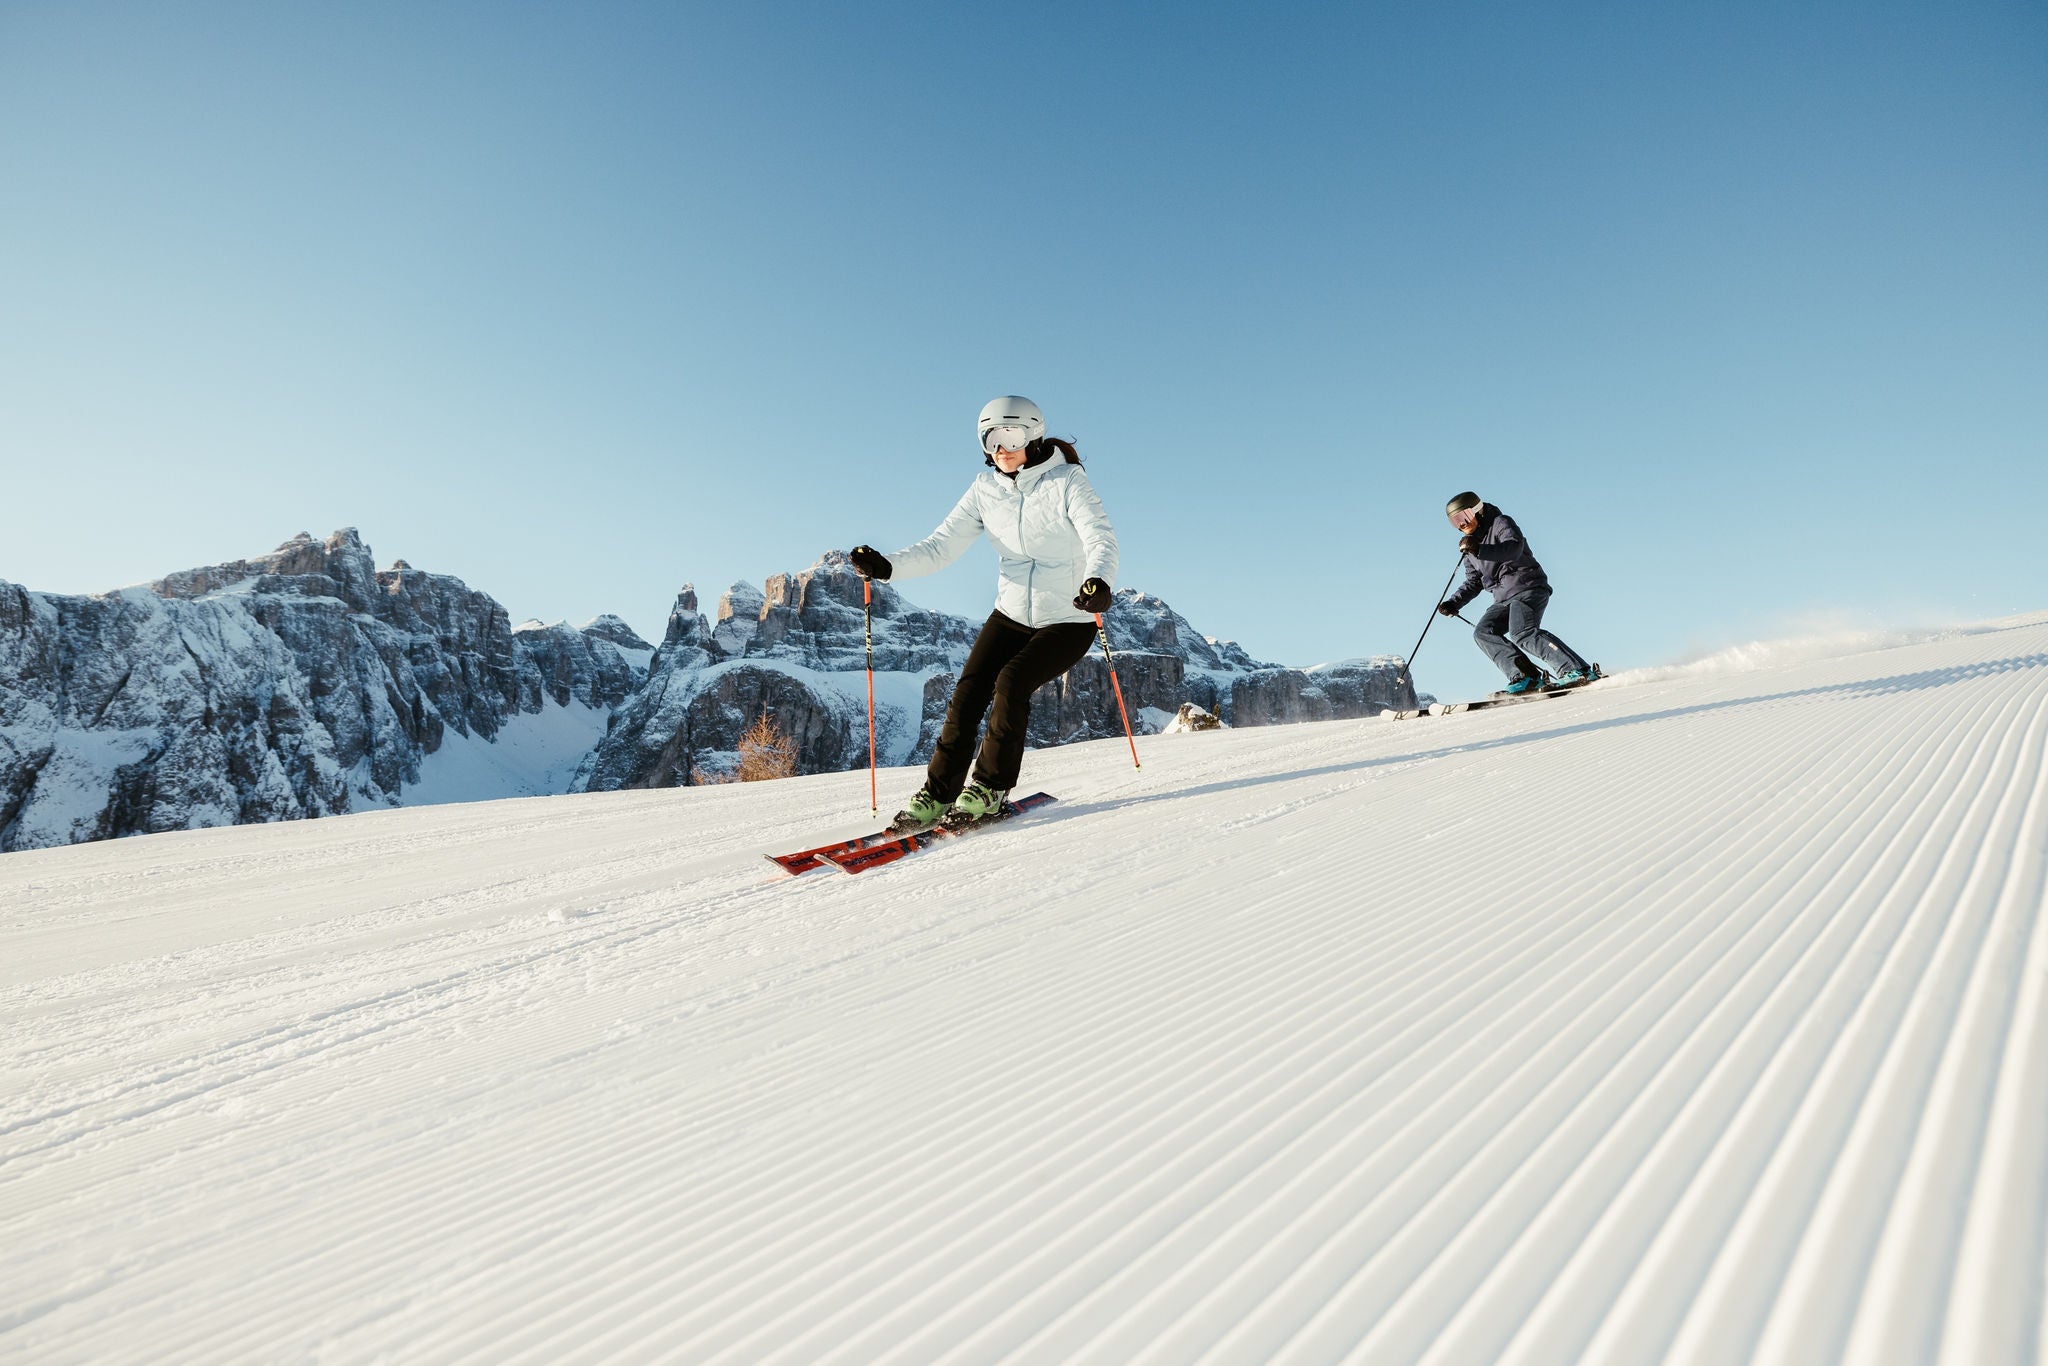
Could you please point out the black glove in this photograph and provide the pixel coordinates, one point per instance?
(1447, 609)
(1093, 597)
(1468, 544)
(869, 562)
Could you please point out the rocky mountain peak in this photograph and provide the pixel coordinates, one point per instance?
(339, 567)
(614, 629)
(739, 616)
(1140, 621)
(686, 625)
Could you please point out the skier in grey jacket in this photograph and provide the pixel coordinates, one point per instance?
(1498, 561)
(1057, 558)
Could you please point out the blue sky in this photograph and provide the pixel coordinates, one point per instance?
(1742, 310)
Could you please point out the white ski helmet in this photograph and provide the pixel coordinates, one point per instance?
(1011, 411)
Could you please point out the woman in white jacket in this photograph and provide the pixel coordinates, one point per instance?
(1058, 558)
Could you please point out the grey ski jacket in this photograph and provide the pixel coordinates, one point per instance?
(1501, 564)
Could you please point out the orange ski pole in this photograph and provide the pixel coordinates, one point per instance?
(1103, 631)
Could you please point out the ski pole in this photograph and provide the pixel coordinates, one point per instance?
(867, 630)
(1410, 663)
(1103, 631)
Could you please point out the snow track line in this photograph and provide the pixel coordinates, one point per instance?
(1334, 1287)
(1716, 1100)
(2006, 1228)
(1614, 1242)
(1889, 1146)
(1571, 1051)
(305, 1036)
(1890, 914)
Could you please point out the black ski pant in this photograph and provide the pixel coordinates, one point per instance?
(1008, 663)
(1512, 634)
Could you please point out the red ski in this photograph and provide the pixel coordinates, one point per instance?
(890, 848)
(803, 860)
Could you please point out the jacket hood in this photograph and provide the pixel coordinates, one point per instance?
(1026, 477)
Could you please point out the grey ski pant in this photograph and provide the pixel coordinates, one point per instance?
(1511, 632)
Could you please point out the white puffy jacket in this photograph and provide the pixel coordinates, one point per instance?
(1050, 534)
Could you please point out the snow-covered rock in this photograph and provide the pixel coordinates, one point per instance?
(1191, 718)
(578, 664)
(127, 712)
(795, 650)
(300, 683)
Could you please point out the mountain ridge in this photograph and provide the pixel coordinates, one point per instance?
(306, 682)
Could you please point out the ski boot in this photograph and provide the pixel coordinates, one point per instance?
(1520, 685)
(1578, 676)
(923, 812)
(976, 803)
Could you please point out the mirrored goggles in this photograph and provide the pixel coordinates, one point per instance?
(1005, 439)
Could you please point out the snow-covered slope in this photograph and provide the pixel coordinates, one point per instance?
(1698, 1017)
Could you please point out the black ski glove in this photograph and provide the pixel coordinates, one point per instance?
(1447, 609)
(1468, 544)
(869, 562)
(1093, 597)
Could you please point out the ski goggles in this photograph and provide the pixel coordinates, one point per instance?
(1005, 439)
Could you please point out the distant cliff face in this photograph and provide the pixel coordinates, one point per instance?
(306, 682)
(301, 683)
(796, 652)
